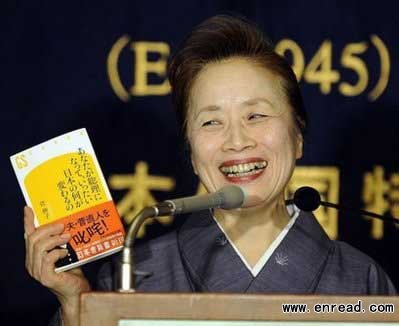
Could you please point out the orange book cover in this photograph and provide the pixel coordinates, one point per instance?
(62, 181)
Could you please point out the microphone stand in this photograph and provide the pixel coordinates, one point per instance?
(228, 197)
(308, 199)
(361, 211)
(125, 274)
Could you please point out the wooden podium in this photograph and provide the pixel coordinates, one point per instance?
(109, 308)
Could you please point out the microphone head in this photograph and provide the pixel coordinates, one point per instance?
(307, 199)
(232, 197)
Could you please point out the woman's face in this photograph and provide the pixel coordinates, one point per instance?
(241, 130)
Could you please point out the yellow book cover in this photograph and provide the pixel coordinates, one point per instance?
(62, 181)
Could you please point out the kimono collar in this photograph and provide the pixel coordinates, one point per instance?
(214, 266)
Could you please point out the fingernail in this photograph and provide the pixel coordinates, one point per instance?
(65, 236)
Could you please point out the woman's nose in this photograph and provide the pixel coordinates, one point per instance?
(238, 138)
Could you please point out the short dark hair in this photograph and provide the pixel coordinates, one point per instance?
(222, 37)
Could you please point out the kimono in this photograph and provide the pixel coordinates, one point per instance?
(198, 258)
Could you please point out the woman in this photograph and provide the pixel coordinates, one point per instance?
(242, 114)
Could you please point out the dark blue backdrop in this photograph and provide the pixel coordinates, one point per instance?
(55, 79)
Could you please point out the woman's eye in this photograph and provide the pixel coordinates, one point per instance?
(210, 123)
(253, 116)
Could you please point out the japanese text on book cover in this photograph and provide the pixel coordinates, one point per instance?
(62, 181)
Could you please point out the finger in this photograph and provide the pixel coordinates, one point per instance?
(76, 271)
(48, 244)
(42, 232)
(41, 249)
(29, 224)
(45, 231)
(48, 276)
(31, 233)
(29, 228)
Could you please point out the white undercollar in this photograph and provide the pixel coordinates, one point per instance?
(293, 211)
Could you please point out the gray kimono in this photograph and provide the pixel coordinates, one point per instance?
(198, 258)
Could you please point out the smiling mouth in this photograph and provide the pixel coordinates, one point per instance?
(243, 169)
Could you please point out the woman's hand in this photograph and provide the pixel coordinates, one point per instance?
(41, 255)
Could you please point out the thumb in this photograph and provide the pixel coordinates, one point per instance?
(29, 225)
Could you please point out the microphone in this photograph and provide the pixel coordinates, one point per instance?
(308, 199)
(228, 197)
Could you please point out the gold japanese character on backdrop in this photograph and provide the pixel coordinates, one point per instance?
(139, 195)
(380, 195)
(326, 181)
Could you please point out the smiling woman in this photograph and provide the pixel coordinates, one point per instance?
(242, 115)
(241, 130)
(240, 107)
(249, 136)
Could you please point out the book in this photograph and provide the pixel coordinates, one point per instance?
(62, 181)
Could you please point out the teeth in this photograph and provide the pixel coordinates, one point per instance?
(245, 168)
(244, 174)
(260, 165)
